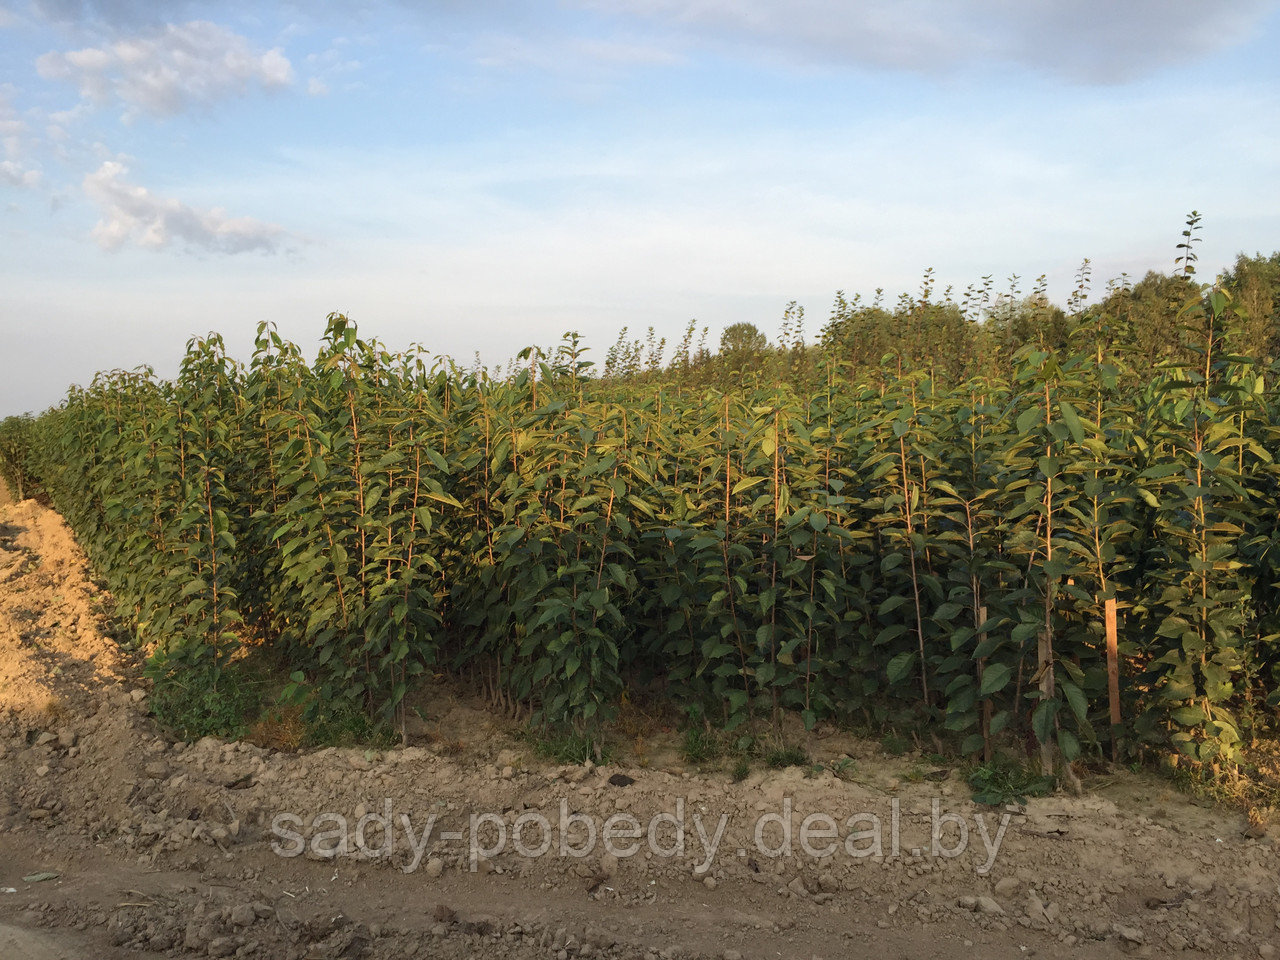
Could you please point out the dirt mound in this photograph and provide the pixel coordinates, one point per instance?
(54, 658)
(115, 841)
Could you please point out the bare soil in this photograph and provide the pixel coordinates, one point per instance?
(117, 842)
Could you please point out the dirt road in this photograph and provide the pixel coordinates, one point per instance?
(116, 842)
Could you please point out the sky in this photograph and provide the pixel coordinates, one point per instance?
(480, 175)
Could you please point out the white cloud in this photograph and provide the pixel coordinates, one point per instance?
(170, 69)
(134, 213)
(330, 68)
(17, 176)
(1085, 40)
(12, 128)
(121, 13)
(574, 55)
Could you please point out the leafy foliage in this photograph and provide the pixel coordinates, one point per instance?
(1003, 782)
(15, 456)
(905, 541)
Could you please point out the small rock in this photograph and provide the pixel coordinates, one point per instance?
(1200, 882)
(67, 738)
(435, 867)
(243, 915)
(222, 946)
(1008, 887)
(137, 695)
(156, 770)
(508, 772)
(1129, 934)
(45, 739)
(989, 906)
(1037, 909)
(194, 937)
(608, 865)
(709, 882)
(796, 886)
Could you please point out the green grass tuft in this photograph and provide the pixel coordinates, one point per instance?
(1004, 781)
(786, 757)
(700, 745)
(204, 702)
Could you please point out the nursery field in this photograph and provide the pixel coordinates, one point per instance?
(935, 565)
(1058, 556)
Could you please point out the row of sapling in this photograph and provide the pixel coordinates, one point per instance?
(897, 546)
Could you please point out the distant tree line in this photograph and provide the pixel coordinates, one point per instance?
(1139, 326)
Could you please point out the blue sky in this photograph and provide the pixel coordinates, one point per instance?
(478, 176)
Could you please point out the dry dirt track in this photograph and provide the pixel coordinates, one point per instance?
(163, 849)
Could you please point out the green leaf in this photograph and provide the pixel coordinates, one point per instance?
(891, 562)
(441, 498)
(1068, 744)
(1072, 420)
(1028, 419)
(995, 677)
(437, 458)
(900, 666)
(1076, 699)
(1042, 719)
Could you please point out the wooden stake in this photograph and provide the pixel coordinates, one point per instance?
(1113, 673)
